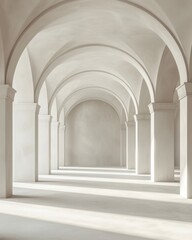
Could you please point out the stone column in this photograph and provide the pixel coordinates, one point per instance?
(123, 144)
(185, 97)
(54, 145)
(130, 145)
(6, 98)
(25, 132)
(61, 144)
(177, 136)
(162, 141)
(142, 138)
(44, 142)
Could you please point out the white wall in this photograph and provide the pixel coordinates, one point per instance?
(92, 135)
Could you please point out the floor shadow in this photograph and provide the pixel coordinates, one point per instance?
(99, 175)
(113, 169)
(138, 187)
(116, 205)
(21, 228)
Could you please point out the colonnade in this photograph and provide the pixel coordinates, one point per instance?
(148, 146)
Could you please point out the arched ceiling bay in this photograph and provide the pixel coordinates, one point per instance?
(122, 12)
(114, 44)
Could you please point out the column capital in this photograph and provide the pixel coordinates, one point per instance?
(7, 92)
(184, 90)
(31, 107)
(161, 107)
(142, 116)
(45, 117)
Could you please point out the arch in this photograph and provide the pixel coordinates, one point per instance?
(190, 65)
(66, 81)
(97, 123)
(98, 99)
(159, 27)
(2, 60)
(133, 61)
(100, 89)
(61, 117)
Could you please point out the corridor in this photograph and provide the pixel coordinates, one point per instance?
(96, 204)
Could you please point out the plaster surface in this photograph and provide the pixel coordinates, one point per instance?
(92, 135)
(25, 135)
(54, 145)
(131, 145)
(61, 145)
(44, 144)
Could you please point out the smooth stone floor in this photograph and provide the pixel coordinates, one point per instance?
(96, 204)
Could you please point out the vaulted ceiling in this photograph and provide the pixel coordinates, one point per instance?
(125, 52)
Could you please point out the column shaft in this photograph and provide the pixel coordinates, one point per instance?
(54, 145)
(61, 144)
(142, 143)
(123, 144)
(44, 141)
(130, 145)
(6, 99)
(185, 97)
(25, 132)
(162, 141)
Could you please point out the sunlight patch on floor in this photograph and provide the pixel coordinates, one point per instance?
(58, 175)
(103, 192)
(118, 206)
(131, 225)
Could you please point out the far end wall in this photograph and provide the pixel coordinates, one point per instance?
(92, 136)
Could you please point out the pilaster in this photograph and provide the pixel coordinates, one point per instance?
(25, 142)
(54, 145)
(130, 164)
(162, 141)
(185, 98)
(6, 99)
(123, 144)
(44, 142)
(142, 138)
(61, 144)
